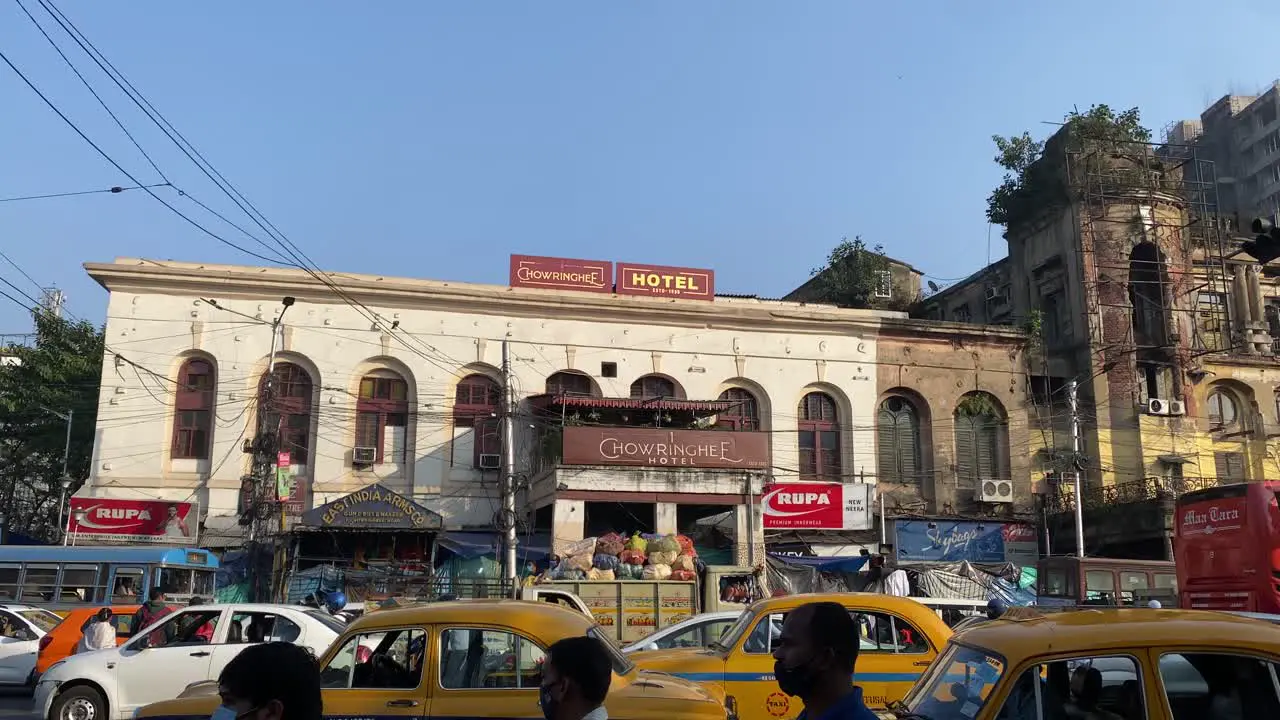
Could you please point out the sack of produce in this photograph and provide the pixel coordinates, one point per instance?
(606, 562)
(628, 571)
(635, 542)
(573, 575)
(682, 575)
(666, 544)
(611, 544)
(656, 572)
(604, 574)
(633, 557)
(686, 545)
(585, 546)
(662, 557)
(577, 562)
(683, 563)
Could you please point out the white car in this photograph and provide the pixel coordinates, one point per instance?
(158, 663)
(696, 632)
(21, 627)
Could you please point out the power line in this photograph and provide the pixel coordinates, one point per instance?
(115, 190)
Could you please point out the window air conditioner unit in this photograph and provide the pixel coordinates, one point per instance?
(993, 293)
(489, 461)
(364, 456)
(1176, 407)
(994, 491)
(1157, 406)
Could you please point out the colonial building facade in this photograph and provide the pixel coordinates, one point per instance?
(634, 413)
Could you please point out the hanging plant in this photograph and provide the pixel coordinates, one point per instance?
(978, 404)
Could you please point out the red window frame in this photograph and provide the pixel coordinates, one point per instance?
(653, 386)
(383, 402)
(290, 410)
(477, 401)
(744, 416)
(193, 410)
(819, 437)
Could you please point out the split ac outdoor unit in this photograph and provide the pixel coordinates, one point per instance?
(489, 461)
(994, 491)
(364, 456)
(1176, 407)
(1157, 406)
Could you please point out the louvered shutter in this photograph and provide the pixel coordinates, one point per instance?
(886, 439)
(966, 457)
(909, 446)
(1229, 467)
(985, 441)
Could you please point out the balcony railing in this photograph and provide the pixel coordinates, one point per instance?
(1061, 497)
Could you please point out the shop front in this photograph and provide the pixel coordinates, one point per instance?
(372, 544)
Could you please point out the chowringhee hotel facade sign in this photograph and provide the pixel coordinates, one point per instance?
(548, 273)
(656, 447)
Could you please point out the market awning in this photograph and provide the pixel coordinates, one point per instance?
(473, 544)
(586, 401)
(848, 564)
(372, 509)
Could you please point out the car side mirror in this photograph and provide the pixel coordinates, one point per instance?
(651, 646)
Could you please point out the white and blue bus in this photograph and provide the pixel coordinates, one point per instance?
(63, 578)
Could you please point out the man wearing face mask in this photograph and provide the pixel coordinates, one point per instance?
(575, 680)
(271, 681)
(814, 660)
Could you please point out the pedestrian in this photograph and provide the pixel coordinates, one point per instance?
(814, 660)
(150, 613)
(575, 680)
(995, 608)
(271, 681)
(205, 632)
(98, 633)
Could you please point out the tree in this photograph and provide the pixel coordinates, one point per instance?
(60, 373)
(1033, 182)
(852, 273)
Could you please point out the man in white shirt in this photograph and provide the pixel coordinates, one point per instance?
(97, 634)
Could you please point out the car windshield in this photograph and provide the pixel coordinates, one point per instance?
(327, 620)
(621, 665)
(42, 619)
(956, 685)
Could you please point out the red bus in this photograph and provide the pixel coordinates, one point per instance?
(1227, 547)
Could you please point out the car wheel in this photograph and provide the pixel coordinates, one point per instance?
(79, 703)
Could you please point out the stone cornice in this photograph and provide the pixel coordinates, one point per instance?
(246, 282)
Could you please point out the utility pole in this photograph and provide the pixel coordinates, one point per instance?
(508, 472)
(1074, 399)
(265, 447)
(65, 480)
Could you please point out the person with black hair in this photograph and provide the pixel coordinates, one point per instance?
(575, 680)
(814, 661)
(271, 681)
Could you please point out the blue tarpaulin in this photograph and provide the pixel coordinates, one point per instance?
(847, 564)
(470, 545)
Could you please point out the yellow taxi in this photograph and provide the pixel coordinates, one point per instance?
(900, 637)
(467, 658)
(1122, 664)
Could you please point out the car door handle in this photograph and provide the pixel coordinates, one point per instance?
(202, 653)
(402, 703)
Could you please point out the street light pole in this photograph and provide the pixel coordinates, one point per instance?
(62, 507)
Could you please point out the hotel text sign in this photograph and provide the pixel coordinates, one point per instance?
(528, 271)
(585, 445)
(662, 281)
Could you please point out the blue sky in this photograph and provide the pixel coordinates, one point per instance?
(433, 139)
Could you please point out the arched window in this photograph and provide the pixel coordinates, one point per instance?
(745, 413)
(1147, 295)
(476, 405)
(570, 383)
(1223, 408)
(193, 410)
(898, 441)
(979, 440)
(653, 386)
(819, 430)
(382, 416)
(289, 411)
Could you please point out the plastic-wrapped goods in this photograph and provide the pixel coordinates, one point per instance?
(577, 562)
(666, 544)
(598, 574)
(686, 545)
(656, 572)
(585, 546)
(628, 571)
(633, 557)
(604, 561)
(682, 575)
(635, 542)
(611, 544)
(682, 562)
(573, 575)
(661, 557)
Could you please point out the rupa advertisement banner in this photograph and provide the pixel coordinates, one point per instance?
(817, 506)
(99, 520)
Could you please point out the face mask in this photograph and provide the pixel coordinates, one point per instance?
(227, 713)
(546, 701)
(794, 681)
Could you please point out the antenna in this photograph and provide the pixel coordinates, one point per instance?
(52, 300)
(933, 286)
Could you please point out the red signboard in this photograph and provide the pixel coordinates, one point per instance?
(817, 506)
(528, 271)
(1212, 517)
(661, 281)
(586, 445)
(132, 521)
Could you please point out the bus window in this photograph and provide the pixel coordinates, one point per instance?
(1057, 582)
(174, 581)
(1167, 581)
(9, 581)
(39, 582)
(1132, 583)
(1100, 586)
(126, 585)
(203, 583)
(79, 584)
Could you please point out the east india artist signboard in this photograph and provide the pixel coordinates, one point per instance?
(585, 445)
(373, 508)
